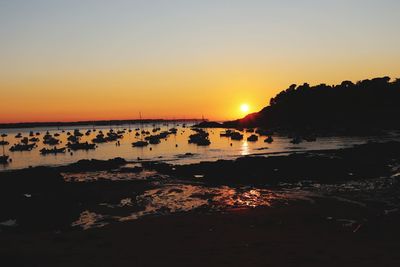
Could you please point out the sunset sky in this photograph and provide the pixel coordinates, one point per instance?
(100, 59)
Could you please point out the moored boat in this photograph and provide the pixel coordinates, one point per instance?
(269, 140)
(200, 138)
(252, 138)
(55, 150)
(22, 147)
(4, 159)
(140, 144)
(51, 141)
(81, 146)
(236, 136)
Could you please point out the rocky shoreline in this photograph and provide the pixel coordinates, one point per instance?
(356, 212)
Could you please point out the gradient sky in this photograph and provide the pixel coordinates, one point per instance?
(102, 59)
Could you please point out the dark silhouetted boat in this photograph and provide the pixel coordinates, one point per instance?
(252, 138)
(81, 146)
(47, 136)
(204, 142)
(73, 138)
(51, 141)
(310, 138)
(4, 142)
(226, 133)
(296, 140)
(111, 136)
(263, 132)
(236, 136)
(164, 134)
(4, 159)
(200, 138)
(153, 139)
(22, 147)
(99, 138)
(140, 144)
(77, 133)
(269, 140)
(55, 150)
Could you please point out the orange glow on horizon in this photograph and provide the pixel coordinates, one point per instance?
(118, 97)
(215, 92)
(122, 95)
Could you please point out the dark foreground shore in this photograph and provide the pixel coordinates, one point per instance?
(291, 236)
(351, 220)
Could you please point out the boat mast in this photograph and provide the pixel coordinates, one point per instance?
(141, 126)
(2, 144)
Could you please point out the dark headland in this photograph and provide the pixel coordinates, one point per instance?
(363, 107)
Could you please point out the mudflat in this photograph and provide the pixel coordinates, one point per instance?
(299, 235)
(349, 215)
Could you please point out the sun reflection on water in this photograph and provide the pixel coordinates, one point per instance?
(244, 148)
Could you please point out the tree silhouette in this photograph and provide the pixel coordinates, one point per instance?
(366, 104)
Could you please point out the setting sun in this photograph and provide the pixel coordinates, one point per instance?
(244, 108)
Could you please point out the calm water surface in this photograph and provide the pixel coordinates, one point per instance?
(172, 149)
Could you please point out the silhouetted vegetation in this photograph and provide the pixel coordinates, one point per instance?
(367, 104)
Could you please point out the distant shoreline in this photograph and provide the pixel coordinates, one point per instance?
(87, 123)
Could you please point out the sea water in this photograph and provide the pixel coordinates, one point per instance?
(175, 148)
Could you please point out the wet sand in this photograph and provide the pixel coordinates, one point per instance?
(325, 232)
(299, 235)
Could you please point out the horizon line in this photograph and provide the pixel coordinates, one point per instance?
(27, 124)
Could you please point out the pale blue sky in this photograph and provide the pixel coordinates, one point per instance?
(159, 32)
